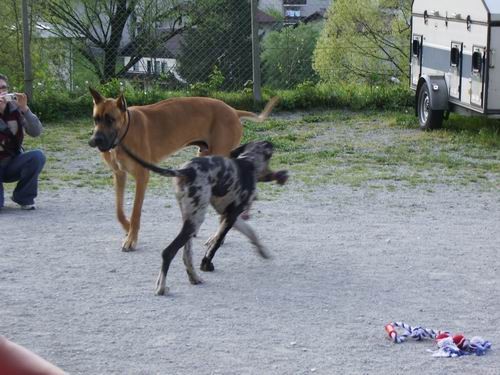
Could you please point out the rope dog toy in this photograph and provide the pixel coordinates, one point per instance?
(448, 345)
(417, 333)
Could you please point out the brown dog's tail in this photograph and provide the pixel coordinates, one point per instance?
(263, 115)
(154, 168)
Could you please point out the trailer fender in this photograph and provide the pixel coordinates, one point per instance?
(438, 92)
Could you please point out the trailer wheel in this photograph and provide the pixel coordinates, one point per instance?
(427, 117)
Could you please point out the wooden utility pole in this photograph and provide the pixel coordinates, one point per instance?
(257, 94)
(28, 75)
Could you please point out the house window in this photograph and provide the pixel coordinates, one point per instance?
(157, 67)
(292, 13)
(163, 67)
(477, 62)
(455, 56)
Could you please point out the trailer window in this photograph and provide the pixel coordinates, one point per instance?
(416, 47)
(455, 56)
(477, 61)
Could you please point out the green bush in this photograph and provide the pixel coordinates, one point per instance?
(287, 55)
(52, 105)
(214, 83)
(61, 106)
(357, 97)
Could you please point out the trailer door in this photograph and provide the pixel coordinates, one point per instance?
(477, 76)
(456, 69)
(416, 59)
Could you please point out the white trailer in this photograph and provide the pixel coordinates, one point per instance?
(455, 58)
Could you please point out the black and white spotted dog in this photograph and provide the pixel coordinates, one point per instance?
(229, 185)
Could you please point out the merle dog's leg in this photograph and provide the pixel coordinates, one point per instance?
(242, 227)
(193, 202)
(188, 262)
(168, 254)
(226, 224)
(211, 240)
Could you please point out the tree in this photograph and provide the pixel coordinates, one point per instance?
(365, 39)
(44, 53)
(11, 48)
(96, 28)
(222, 40)
(287, 55)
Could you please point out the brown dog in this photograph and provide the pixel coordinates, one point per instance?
(156, 131)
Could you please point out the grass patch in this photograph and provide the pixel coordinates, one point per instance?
(380, 149)
(372, 149)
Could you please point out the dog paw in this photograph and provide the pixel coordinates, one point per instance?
(193, 277)
(206, 265)
(129, 244)
(281, 177)
(195, 280)
(161, 291)
(263, 253)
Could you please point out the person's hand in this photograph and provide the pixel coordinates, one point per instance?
(22, 102)
(3, 102)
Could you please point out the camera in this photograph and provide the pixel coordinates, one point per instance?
(10, 97)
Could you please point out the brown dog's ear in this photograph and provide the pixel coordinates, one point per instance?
(98, 98)
(121, 103)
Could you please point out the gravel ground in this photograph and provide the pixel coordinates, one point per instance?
(345, 262)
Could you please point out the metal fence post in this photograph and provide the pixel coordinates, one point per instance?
(28, 76)
(257, 95)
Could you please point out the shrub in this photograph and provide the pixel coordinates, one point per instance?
(51, 105)
(287, 55)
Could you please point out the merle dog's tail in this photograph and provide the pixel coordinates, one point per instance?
(154, 168)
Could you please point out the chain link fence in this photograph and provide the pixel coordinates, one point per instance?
(168, 44)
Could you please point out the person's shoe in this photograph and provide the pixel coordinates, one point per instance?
(26, 207)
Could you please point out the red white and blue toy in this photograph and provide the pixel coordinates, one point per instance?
(448, 345)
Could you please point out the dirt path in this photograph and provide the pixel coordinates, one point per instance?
(345, 263)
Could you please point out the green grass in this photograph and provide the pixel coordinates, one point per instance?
(372, 149)
(380, 149)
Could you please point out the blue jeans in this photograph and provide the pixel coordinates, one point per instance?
(24, 168)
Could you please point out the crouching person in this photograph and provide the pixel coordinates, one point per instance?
(15, 163)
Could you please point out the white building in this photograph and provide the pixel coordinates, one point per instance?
(296, 10)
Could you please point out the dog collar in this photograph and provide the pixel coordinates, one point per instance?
(124, 134)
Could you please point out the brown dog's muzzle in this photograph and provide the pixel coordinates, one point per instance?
(101, 141)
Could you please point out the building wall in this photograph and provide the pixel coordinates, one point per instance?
(306, 9)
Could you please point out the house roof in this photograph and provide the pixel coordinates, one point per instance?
(313, 17)
(316, 16)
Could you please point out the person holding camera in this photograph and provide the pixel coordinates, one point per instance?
(15, 163)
